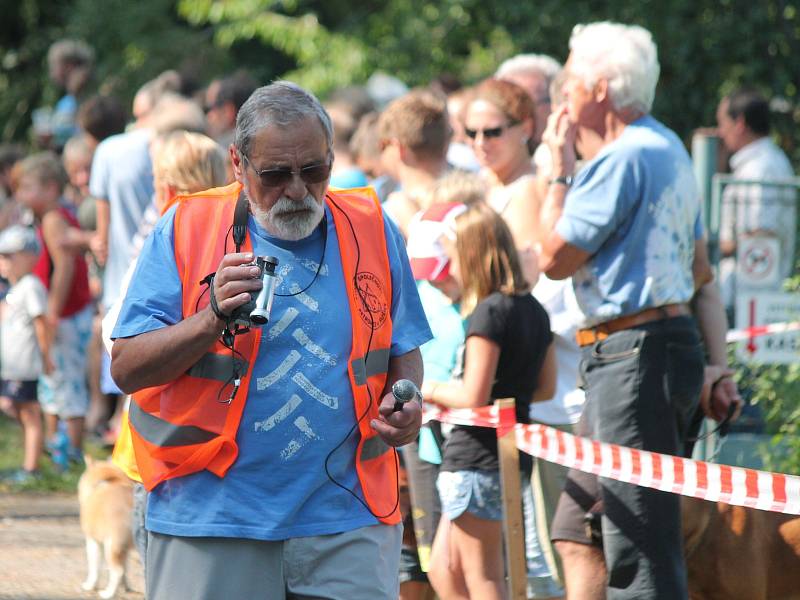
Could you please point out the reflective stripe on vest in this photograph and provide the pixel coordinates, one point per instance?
(217, 367)
(377, 364)
(182, 427)
(163, 433)
(374, 447)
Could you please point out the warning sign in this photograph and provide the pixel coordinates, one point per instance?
(753, 310)
(757, 261)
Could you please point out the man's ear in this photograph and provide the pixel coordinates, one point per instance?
(600, 90)
(740, 125)
(404, 153)
(236, 163)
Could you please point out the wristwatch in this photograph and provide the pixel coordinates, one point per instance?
(563, 180)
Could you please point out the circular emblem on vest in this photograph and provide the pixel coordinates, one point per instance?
(372, 306)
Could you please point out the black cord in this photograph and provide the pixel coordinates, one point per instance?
(236, 376)
(321, 259)
(228, 337)
(724, 425)
(363, 298)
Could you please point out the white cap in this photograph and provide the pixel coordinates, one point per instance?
(426, 254)
(18, 238)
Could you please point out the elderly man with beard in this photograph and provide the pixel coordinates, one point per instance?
(269, 451)
(628, 231)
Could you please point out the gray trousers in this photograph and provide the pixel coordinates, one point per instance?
(355, 565)
(642, 389)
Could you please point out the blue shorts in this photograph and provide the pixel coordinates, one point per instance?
(19, 392)
(475, 492)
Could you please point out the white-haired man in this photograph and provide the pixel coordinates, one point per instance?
(534, 73)
(628, 231)
(269, 451)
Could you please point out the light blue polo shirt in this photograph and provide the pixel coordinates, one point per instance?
(635, 209)
(122, 175)
(299, 406)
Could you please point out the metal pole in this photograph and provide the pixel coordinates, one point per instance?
(704, 158)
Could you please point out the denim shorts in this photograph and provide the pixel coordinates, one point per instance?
(18, 391)
(476, 492)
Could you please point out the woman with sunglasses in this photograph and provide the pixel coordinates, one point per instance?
(499, 123)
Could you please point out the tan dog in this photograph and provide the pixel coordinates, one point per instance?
(105, 495)
(735, 553)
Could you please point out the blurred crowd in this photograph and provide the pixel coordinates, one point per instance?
(76, 208)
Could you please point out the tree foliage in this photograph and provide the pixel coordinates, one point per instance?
(133, 42)
(706, 47)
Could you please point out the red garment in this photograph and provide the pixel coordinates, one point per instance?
(79, 295)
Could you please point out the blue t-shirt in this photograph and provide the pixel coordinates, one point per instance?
(635, 209)
(122, 175)
(441, 355)
(299, 405)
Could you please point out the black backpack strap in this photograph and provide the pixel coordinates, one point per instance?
(240, 215)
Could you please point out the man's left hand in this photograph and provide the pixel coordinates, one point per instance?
(401, 427)
(719, 393)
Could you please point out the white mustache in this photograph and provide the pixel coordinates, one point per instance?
(286, 205)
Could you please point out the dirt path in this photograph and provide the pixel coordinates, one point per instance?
(42, 553)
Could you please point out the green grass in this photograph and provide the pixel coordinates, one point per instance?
(51, 480)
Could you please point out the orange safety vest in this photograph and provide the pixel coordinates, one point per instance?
(182, 427)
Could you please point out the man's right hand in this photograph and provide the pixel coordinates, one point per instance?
(559, 135)
(234, 280)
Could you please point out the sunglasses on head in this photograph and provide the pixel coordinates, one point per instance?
(492, 132)
(283, 176)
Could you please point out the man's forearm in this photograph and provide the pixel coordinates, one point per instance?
(712, 322)
(405, 366)
(552, 208)
(160, 356)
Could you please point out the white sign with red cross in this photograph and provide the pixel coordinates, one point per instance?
(757, 261)
(765, 308)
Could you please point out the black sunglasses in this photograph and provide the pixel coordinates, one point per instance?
(494, 132)
(281, 177)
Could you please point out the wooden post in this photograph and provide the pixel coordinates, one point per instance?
(513, 526)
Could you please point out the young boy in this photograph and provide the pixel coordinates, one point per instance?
(24, 352)
(415, 133)
(62, 393)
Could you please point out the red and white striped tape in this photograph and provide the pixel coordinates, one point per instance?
(774, 492)
(708, 481)
(741, 335)
(485, 416)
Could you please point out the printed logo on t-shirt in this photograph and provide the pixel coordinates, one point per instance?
(372, 304)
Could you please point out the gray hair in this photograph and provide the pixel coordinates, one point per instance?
(623, 55)
(541, 64)
(281, 103)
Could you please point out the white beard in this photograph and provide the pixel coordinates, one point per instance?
(290, 219)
